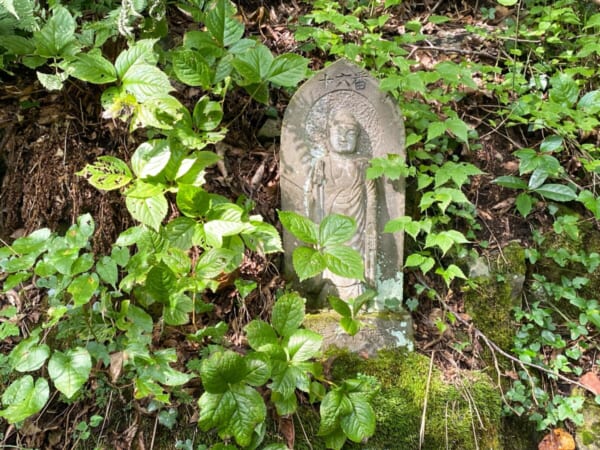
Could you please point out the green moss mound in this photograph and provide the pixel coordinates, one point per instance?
(462, 414)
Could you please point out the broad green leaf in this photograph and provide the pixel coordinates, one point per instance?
(150, 158)
(180, 232)
(107, 173)
(449, 274)
(345, 262)
(29, 354)
(82, 264)
(537, 178)
(213, 262)
(9, 5)
(260, 335)
(340, 306)
(24, 398)
(57, 36)
(435, 129)
(360, 423)
(193, 201)
(287, 378)
(141, 52)
(216, 230)
(350, 326)
(92, 67)
(511, 182)
(508, 2)
(222, 370)
(191, 68)
(425, 263)
(287, 70)
(262, 238)
(459, 173)
(17, 45)
(336, 229)
(207, 114)
(177, 311)
(222, 25)
(284, 405)
(551, 144)
(564, 90)
(162, 112)
(300, 226)
(235, 412)
(160, 281)
(304, 344)
(83, 288)
(459, 129)
(254, 65)
(52, 82)
(70, 370)
(288, 314)
(557, 192)
(79, 234)
(150, 211)
(107, 270)
(590, 102)
(445, 240)
(258, 369)
(307, 262)
(524, 204)
(33, 243)
(146, 82)
(334, 406)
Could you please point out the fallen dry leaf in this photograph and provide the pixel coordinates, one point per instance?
(558, 439)
(591, 381)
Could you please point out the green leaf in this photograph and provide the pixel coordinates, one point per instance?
(107, 173)
(150, 211)
(435, 129)
(191, 68)
(235, 412)
(207, 114)
(307, 262)
(286, 378)
(511, 182)
(524, 204)
(445, 240)
(254, 65)
(180, 232)
(449, 274)
(300, 226)
(262, 238)
(284, 405)
(29, 354)
(221, 370)
(287, 70)
(34, 243)
(107, 269)
(70, 370)
(350, 326)
(336, 229)
(340, 306)
(141, 52)
(537, 178)
(214, 262)
(334, 405)
(425, 263)
(508, 2)
(557, 192)
(177, 311)
(57, 37)
(288, 314)
(260, 335)
(459, 173)
(216, 230)
(23, 398)
(52, 82)
(345, 262)
(459, 129)
(92, 67)
(221, 24)
(150, 158)
(146, 82)
(360, 423)
(551, 144)
(83, 288)
(258, 369)
(304, 344)
(564, 90)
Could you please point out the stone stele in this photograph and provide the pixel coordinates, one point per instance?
(334, 125)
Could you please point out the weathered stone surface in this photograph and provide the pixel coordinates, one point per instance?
(333, 126)
(380, 331)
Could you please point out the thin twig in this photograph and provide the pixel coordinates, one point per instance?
(424, 416)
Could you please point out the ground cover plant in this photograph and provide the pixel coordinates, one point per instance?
(174, 306)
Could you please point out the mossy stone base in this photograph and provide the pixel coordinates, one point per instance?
(461, 414)
(587, 436)
(381, 330)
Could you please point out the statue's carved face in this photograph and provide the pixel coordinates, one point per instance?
(343, 137)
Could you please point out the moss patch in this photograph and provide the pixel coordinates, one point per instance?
(490, 301)
(463, 414)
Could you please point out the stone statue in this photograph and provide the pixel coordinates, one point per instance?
(337, 184)
(334, 125)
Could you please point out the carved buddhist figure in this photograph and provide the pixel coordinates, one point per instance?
(337, 185)
(334, 125)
